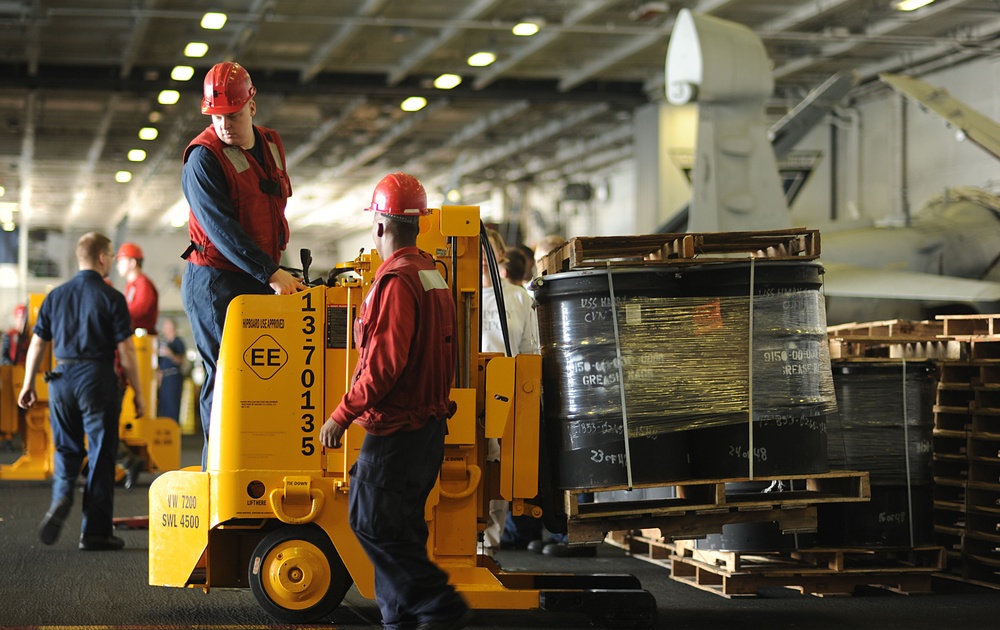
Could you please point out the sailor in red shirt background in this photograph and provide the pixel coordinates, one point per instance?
(140, 292)
(15, 340)
(400, 395)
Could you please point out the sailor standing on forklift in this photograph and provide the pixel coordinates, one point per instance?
(400, 395)
(235, 181)
(86, 320)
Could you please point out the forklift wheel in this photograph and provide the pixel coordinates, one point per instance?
(296, 574)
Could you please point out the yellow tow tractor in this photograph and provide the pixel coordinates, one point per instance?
(36, 460)
(270, 511)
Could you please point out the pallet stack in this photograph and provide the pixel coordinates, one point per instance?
(822, 572)
(673, 249)
(967, 449)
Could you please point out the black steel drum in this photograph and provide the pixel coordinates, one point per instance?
(883, 424)
(581, 377)
(790, 366)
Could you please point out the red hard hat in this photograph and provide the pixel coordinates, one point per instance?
(130, 250)
(227, 89)
(399, 194)
(20, 310)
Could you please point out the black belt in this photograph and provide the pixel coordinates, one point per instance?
(75, 361)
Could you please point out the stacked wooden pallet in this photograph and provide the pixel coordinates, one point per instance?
(817, 571)
(681, 249)
(891, 339)
(967, 449)
(704, 506)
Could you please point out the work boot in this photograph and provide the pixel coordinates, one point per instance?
(52, 522)
(454, 624)
(101, 543)
(132, 473)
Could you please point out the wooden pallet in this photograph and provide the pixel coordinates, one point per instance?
(893, 339)
(822, 572)
(891, 329)
(585, 252)
(704, 506)
(968, 327)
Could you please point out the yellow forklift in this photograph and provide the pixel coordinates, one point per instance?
(35, 462)
(270, 511)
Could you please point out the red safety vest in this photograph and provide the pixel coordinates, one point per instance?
(262, 214)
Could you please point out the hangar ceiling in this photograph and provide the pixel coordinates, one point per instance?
(80, 78)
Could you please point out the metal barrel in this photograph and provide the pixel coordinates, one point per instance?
(789, 361)
(588, 353)
(883, 424)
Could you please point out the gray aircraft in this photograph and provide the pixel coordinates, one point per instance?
(942, 260)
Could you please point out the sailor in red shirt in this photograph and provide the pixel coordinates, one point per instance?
(401, 396)
(140, 293)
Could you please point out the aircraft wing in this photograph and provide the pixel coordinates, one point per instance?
(978, 128)
(842, 280)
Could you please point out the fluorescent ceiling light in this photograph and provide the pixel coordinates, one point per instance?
(148, 133)
(911, 5)
(481, 59)
(413, 104)
(168, 97)
(196, 49)
(136, 155)
(3, 191)
(213, 21)
(447, 81)
(527, 27)
(182, 73)
(123, 177)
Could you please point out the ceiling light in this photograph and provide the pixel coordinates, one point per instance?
(3, 191)
(155, 116)
(136, 155)
(168, 97)
(182, 73)
(453, 195)
(911, 5)
(481, 59)
(196, 49)
(123, 177)
(213, 21)
(148, 133)
(447, 81)
(413, 104)
(528, 26)
(8, 226)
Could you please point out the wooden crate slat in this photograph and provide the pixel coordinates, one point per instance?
(821, 572)
(583, 252)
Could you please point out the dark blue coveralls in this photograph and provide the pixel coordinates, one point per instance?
(85, 319)
(205, 291)
(393, 475)
(168, 400)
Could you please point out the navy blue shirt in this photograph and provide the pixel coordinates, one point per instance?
(207, 192)
(85, 318)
